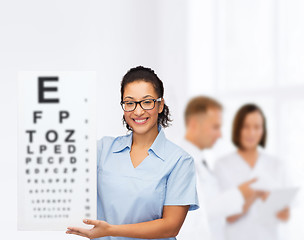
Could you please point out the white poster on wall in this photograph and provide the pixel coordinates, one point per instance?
(56, 149)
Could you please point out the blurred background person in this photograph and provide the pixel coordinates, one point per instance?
(248, 133)
(203, 119)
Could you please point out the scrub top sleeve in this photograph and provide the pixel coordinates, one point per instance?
(181, 184)
(101, 143)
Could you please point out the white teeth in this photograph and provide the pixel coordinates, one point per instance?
(140, 121)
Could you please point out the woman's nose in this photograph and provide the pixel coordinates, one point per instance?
(138, 110)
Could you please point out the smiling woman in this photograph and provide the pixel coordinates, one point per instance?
(146, 183)
(141, 74)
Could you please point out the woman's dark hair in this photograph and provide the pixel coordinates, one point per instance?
(238, 123)
(141, 73)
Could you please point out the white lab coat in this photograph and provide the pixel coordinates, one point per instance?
(208, 222)
(231, 171)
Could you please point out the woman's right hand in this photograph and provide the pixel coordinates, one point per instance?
(250, 196)
(246, 190)
(262, 194)
(100, 229)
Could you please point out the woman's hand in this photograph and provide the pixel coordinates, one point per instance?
(254, 195)
(284, 214)
(166, 227)
(246, 207)
(246, 190)
(263, 195)
(100, 229)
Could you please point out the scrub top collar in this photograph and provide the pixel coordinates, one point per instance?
(123, 143)
(158, 146)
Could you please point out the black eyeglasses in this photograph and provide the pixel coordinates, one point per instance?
(147, 104)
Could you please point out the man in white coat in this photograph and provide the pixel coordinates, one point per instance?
(203, 117)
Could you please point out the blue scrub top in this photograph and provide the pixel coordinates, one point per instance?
(129, 195)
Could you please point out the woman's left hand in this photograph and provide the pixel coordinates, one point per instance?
(100, 229)
(284, 214)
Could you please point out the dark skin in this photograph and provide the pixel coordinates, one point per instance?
(166, 227)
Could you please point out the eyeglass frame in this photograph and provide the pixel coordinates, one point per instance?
(139, 102)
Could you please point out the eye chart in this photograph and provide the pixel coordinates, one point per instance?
(56, 149)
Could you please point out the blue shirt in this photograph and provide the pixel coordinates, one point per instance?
(129, 195)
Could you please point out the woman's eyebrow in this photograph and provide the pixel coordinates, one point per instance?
(147, 96)
(128, 97)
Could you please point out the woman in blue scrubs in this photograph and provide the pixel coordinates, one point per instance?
(146, 184)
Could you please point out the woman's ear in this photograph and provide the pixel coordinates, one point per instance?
(161, 106)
